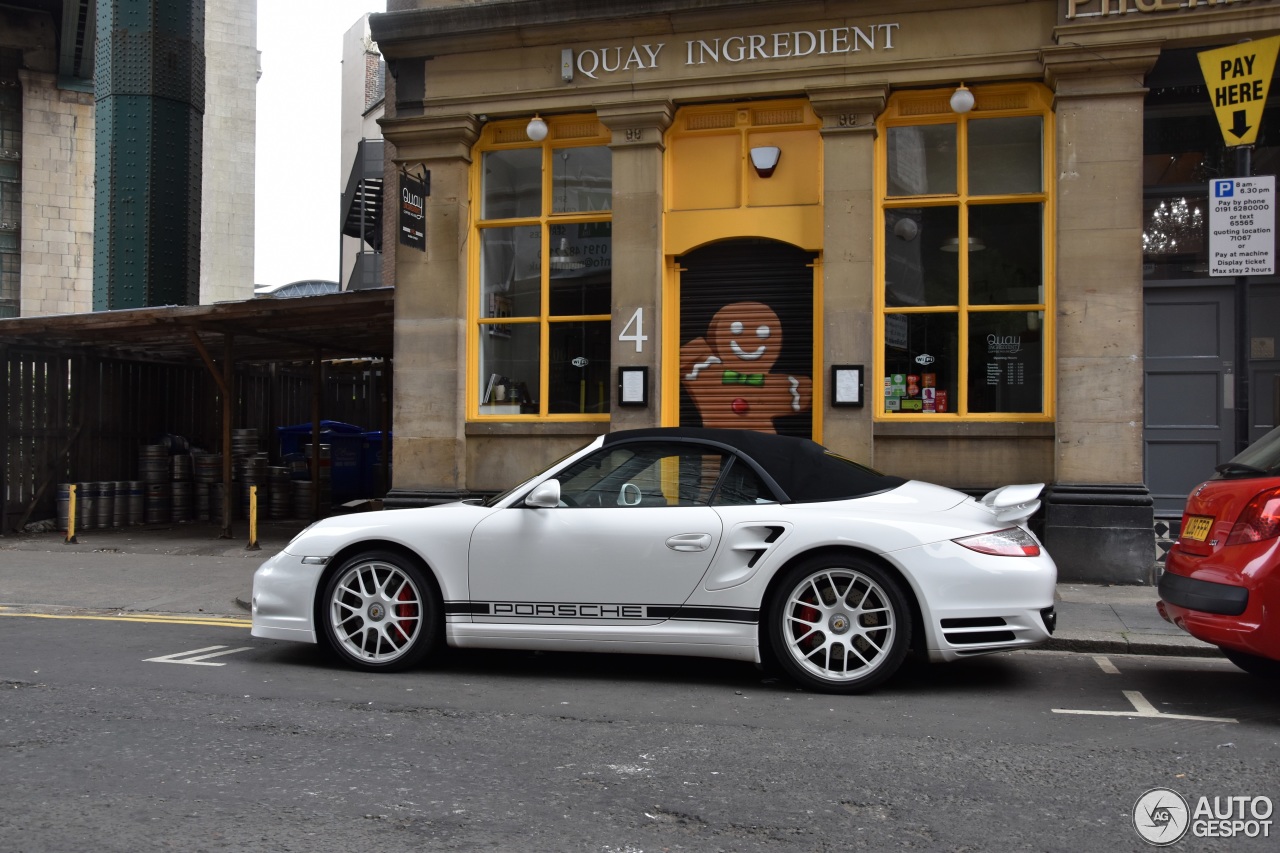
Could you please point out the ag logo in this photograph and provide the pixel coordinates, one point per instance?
(925, 359)
(580, 361)
(1161, 817)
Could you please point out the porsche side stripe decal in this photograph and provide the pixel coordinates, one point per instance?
(578, 610)
(706, 614)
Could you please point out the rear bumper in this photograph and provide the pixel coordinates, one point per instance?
(1197, 595)
(1205, 596)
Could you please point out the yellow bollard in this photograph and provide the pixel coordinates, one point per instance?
(253, 520)
(71, 515)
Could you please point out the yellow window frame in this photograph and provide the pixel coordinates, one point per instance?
(916, 108)
(572, 131)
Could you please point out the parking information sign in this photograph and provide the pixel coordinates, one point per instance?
(1242, 220)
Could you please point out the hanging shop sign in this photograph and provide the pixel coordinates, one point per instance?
(1242, 226)
(413, 219)
(1238, 77)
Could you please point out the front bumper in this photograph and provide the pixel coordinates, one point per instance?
(284, 592)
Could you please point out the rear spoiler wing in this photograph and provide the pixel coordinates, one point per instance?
(1014, 504)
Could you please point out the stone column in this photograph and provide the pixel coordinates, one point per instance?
(429, 399)
(638, 147)
(1098, 514)
(848, 253)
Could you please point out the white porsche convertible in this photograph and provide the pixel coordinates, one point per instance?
(719, 543)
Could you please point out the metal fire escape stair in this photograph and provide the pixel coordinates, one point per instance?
(362, 199)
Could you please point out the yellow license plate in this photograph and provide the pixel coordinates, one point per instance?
(1197, 528)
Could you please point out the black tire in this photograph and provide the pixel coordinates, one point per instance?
(1253, 664)
(380, 612)
(839, 624)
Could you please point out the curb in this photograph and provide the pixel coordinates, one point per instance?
(1126, 646)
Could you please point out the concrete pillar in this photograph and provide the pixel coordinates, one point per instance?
(429, 402)
(848, 253)
(637, 145)
(1098, 515)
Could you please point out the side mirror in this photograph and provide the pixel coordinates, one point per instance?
(545, 495)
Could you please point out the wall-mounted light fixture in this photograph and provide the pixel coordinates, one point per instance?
(536, 129)
(765, 159)
(961, 100)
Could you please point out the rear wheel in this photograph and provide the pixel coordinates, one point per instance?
(380, 612)
(839, 624)
(1253, 664)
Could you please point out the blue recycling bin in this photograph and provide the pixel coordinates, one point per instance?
(344, 440)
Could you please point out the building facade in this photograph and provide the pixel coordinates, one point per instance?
(928, 235)
(47, 156)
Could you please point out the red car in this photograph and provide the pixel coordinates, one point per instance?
(1221, 582)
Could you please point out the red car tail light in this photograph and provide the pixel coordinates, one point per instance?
(1010, 542)
(1259, 520)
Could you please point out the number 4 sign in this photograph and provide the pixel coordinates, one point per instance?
(636, 322)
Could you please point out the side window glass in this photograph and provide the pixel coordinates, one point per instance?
(742, 486)
(642, 475)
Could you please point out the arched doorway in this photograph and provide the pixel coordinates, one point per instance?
(746, 337)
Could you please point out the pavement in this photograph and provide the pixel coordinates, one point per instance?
(190, 569)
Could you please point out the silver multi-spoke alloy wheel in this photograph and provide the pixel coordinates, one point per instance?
(840, 626)
(379, 612)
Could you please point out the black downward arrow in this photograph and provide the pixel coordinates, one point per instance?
(1238, 127)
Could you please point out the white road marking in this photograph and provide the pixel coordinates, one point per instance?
(195, 657)
(1143, 708)
(1105, 664)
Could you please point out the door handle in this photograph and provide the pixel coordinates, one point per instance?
(689, 542)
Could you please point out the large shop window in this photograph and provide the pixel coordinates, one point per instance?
(542, 275)
(965, 285)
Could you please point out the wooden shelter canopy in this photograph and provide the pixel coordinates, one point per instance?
(352, 324)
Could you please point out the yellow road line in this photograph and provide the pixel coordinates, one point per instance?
(210, 621)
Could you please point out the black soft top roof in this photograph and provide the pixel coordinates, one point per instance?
(804, 470)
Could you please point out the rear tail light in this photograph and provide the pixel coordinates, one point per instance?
(1260, 519)
(1010, 542)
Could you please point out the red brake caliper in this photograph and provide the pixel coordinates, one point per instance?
(406, 611)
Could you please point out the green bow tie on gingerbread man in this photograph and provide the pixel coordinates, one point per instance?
(733, 377)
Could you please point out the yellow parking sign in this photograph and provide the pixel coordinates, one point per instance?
(1238, 78)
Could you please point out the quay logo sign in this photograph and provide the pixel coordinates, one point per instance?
(1163, 817)
(413, 193)
(597, 62)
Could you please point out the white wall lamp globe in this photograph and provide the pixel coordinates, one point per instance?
(961, 100)
(536, 129)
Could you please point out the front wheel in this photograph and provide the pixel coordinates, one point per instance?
(1253, 664)
(839, 624)
(380, 612)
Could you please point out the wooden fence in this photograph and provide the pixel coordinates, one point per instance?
(83, 418)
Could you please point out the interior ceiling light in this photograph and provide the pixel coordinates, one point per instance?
(953, 245)
(562, 260)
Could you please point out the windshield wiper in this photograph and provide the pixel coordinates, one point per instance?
(1238, 468)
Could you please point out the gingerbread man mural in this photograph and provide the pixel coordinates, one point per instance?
(727, 372)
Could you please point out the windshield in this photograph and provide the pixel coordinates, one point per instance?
(1260, 459)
